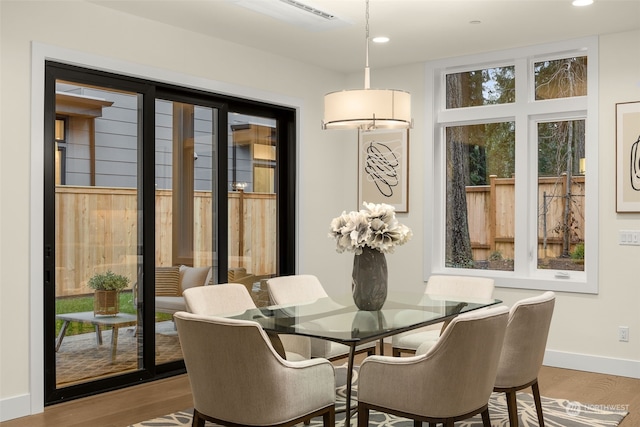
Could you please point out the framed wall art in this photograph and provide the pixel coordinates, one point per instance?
(628, 157)
(383, 167)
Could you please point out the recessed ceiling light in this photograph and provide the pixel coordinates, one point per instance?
(475, 22)
(582, 2)
(380, 39)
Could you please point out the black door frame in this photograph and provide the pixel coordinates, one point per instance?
(149, 92)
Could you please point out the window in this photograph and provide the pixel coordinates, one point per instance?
(61, 150)
(513, 197)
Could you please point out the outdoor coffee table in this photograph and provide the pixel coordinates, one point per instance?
(116, 322)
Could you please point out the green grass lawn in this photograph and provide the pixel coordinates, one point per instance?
(85, 303)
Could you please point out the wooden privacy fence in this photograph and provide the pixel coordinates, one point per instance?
(491, 216)
(97, 230)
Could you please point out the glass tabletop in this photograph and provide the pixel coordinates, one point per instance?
(338, 319)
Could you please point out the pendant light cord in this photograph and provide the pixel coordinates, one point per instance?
(366, 64)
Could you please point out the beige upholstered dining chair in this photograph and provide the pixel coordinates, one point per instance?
(523, 351)
(301, 288)
(234, 298)
(238, 379)
(451, 381)
(453, 286)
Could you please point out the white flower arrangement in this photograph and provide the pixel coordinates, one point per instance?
(374, 226)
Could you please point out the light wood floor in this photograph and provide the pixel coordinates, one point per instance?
(135, 404)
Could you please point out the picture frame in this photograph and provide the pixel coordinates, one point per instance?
(628, 157)
(383, 167)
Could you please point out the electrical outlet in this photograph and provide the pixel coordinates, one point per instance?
(623, 333)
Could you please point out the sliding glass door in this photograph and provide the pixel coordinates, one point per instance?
(151, 189)
(93, 232)
(252, 241)
(185, 191)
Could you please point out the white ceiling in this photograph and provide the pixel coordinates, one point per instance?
(419, 29)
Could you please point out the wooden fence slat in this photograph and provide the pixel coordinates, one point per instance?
(500, 196)
(96, 230)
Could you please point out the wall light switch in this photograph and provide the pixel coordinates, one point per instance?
(629, 237)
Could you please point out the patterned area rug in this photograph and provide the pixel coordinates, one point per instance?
(557, 413)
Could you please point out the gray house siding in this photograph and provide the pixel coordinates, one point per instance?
(116, 144)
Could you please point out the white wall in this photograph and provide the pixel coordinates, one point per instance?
(584, 329)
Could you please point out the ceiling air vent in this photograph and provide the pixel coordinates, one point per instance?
(295, 12)
(309, 9)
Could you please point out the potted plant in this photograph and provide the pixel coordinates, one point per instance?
(107, 289)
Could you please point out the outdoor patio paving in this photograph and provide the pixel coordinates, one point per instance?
(79, 359)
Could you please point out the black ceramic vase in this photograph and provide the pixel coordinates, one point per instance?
(369, 279)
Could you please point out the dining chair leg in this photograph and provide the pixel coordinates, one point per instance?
(363, 415)
(486, 420)
(329, 418)
(197, 421)
(536, 398)
(512, 408)
(417, 423)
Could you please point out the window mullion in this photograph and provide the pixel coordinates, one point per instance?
(526, 159)
(474, 115)
(439, 195)
(526, 196)
(558, 106)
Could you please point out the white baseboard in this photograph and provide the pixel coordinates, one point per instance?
(15, 407)
(590, 363)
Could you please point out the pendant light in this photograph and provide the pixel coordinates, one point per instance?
(367, 108)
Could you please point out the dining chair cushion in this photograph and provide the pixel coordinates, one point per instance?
(234, 298)
(296, 288)
(466, 286)
(216, 300)
(302, 288)
(525, 341)
(237, 376)
(453, 378)
(449, 286)
(523, 351)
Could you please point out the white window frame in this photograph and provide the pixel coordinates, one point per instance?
(526, 112)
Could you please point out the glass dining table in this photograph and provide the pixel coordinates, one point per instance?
(339, 320)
